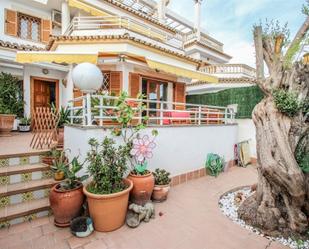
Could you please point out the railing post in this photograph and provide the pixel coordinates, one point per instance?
(225, 115)
(88, 104)
(101, 110)
(199, 115)
(161, 114)
(84, 111)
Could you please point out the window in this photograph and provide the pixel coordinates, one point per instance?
(29, 27)
(106, 82)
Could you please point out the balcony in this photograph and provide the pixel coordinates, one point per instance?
(101, 111)
(105, 23)
(204, 39)
(230, 70)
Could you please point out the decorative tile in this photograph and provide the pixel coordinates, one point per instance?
(16, 221)
(42, 214)
(14, 178)
(30, 217)
(47, 174)
(14, 199)
(4, 162)
(36, 175)
(14, 161)
(27, 196)
(46, 192)
(26, 177)
(39, 194)
(4, 224)
(24, 160)
(4, 180)
(34, 159)
(4, 201)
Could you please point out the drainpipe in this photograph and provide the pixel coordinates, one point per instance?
(197, 22)
(162, 10)
(65, 16)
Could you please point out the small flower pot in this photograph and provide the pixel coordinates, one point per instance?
(48, 160)
(6, 124)
(160, 192)
(59, 176)
(142, 188)
(81, 227)
(108, 211)
(24, 128)
(66, 204)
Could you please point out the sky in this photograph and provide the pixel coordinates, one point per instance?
(231, 21)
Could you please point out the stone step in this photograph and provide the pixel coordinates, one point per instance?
(17, 213)
(24, 173)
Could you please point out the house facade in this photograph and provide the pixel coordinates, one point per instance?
(140, 47)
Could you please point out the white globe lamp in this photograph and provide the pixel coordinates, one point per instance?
(87, 77)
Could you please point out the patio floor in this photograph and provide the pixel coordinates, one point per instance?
(191, 219)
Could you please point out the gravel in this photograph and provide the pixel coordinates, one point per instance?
(229, 204)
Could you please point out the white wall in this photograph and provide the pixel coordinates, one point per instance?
(178, 150)
(246, 131)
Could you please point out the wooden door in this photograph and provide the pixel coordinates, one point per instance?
(44, 93)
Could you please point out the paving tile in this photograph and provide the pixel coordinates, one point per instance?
(75, 242)
(43, 242)
(49, 228)
(97, 244)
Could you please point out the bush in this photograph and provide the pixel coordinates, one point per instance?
(11, 95)
(286, 102)
(161, 177)
(107, 166)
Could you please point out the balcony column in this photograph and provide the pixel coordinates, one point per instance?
(65, 16)
(162, 10)
(197, 21)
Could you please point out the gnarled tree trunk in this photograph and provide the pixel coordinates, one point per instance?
(280, 204)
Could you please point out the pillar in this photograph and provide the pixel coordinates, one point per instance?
(65, 16)
(162, 10)
(197, 21)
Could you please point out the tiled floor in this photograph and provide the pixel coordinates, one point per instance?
(191, 220)
(17, 143)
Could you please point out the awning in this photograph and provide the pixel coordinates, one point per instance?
(87, 8)
(31, 57)
(182, 72)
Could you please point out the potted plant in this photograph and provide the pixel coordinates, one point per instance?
(59, 163)
(64, 118)
(11, 102)
(24, 124)
(66, 198)
(108, 192)
(143, 179)
(49, 156)
(162, 185)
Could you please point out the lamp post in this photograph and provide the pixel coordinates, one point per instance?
(88, 78)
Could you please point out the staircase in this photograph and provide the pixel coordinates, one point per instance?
(25, 183)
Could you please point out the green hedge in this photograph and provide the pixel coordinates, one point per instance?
(245, 97)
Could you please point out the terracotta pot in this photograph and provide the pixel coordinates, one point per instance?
(160, 192)
(108, 212)
(142, 188)
(6, 124)
(48, 160)
(60, 137)
(66, 205)
(59, 176)
(24, 128)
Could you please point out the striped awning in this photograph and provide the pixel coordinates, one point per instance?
(79, 4)
(55, 57)
(182, 72)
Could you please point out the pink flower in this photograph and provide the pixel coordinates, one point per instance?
(142, 148)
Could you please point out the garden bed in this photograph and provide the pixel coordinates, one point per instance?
(229, 204)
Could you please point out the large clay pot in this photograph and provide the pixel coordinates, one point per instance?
(160, 192)
(142, 188)
(66, 205)
(108, 212)
(6, 124)
(60, 137)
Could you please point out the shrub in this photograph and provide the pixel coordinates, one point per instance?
(286, 102)
(107, 166)
(11, 95)
(302, 153)
(161, 177)
(214, 164)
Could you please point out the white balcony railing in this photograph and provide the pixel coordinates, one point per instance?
(177, 40)
(118, 22)
(230, 69)
(101, 110)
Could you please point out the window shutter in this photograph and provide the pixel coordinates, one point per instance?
(77, 93)
(46, 28)
(134, 85)
(115, 83)
(180, 95)
(11, 22)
